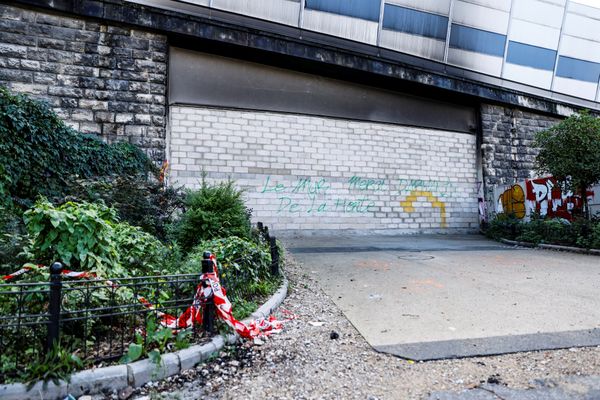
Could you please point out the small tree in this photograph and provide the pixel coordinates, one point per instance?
(570, 151)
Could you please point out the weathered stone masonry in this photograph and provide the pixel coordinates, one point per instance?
(106, 73)
(100, 78)
(508, 154)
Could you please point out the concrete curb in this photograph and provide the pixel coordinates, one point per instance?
(595, 252)
(516, 243)
(117, 377)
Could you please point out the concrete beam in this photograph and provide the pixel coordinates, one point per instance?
(200, 23)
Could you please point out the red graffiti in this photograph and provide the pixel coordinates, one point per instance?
(545, 197)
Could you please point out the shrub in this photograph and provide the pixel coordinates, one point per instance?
(213, 211)
(557, 231)
(41, 155)
(139, 252)
(244, 265)
(503, 226)
(579, 232)
(594, 240)
(531, 231)
(12, 239)
(78, 235)
(88, 236)
(144, 203)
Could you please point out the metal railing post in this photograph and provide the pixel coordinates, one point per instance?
(54, 305)
(274, 255)
(208, 306)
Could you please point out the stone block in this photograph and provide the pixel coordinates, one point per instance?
(45, 390)
(15, 75)
(99, 380)
(141, 372)
(190, 357)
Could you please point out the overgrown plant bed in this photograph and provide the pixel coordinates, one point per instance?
(120, 380)
(103, 320)
(580, 233)
(109, 216)
(105, 323)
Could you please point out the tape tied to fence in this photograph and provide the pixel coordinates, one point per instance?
(209, 289)
(33, 267)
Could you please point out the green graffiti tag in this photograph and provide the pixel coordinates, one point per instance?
(441, 188)
(366, 184)
(293, 196)
(315, 195)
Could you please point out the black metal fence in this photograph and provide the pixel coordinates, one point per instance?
(272, 240)
(97, 319)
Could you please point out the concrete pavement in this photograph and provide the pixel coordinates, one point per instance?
(444, 296)
(568, 387)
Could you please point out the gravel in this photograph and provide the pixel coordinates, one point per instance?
(320, 355)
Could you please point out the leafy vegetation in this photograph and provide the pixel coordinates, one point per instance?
(41, 155)
(580, 232)
(243, 264)
(154, 342)
(140, 202)
(244, 269)
(89, 236)
(13, 239)
(97, 207)
(570, 152)
(56, 365)
(213, 211)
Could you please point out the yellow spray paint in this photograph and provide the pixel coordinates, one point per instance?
(407, 204)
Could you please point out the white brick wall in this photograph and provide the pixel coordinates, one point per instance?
(305, 172)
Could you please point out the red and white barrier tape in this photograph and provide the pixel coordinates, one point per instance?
(30, 267)
(209, 287)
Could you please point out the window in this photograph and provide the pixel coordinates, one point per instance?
(530, 56)
(465, 38)
(578, 69)
(416, 22)
(364, 9)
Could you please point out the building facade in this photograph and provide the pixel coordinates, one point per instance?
(394, 116)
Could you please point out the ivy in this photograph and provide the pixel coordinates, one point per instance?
(40, 154)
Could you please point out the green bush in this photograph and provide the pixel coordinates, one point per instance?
(579, 232)
(40, 155)
(531, 231)
(12, 239)
(88, 236)
(140, 202)
(139, 252)
(594, 240)
(244, 265)
(78, 235)
(557, 231)
(503, 227)
(213, 211)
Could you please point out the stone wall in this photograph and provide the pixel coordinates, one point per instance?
(100, 78)
(316, 173)
(508, 154)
